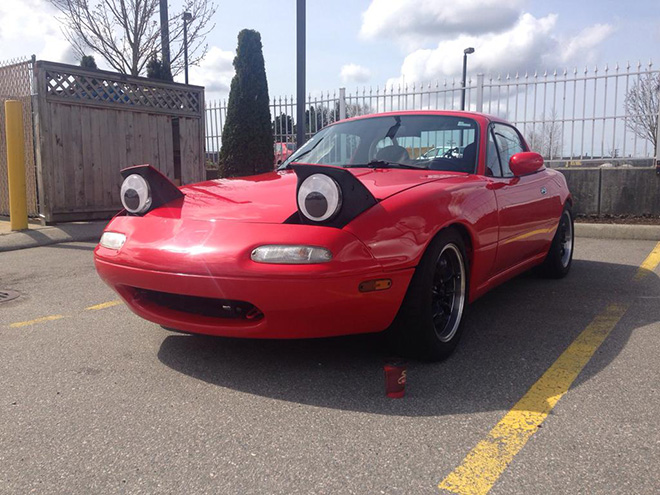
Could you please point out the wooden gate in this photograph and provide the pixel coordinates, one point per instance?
(90, 124)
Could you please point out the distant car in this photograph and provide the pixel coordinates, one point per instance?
(350, 235)
(436, 151)
(283, 151)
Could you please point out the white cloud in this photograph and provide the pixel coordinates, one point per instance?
(58, 49)
(214, 73)
(581, 47)
(518, 48)
(529, 45)
(30, 26)
(424, 20)
(353, 73)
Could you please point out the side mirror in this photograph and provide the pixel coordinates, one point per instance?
(525, 163)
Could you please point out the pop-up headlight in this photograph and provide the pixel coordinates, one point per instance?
(145, 188)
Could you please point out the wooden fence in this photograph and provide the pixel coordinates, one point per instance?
(90, 124)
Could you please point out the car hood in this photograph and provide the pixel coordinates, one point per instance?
(271, 197)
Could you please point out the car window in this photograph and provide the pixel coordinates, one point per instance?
(508, 144)
(434, 142)
(450, 144)
(336, 149)
(493, 167)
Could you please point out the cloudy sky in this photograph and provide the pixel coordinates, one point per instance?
(375, 42)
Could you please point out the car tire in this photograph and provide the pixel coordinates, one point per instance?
(428, 325)
(557, 263)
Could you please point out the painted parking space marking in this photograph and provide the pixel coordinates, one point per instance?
(487, 461)
(104, 305)
(20, 324)
(649, 264)
(96, 307)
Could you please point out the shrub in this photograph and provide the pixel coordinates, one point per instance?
(247, 138)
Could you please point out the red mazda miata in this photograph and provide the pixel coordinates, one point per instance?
(393, 222)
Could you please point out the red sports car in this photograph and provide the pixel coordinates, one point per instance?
(354, 233)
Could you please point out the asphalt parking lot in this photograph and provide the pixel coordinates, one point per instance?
(95, 400)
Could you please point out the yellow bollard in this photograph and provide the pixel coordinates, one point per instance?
(18, 218)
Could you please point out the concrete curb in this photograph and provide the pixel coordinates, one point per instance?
(618, 231)
(45, 236)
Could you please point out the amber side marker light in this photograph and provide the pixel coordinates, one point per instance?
(373, 285)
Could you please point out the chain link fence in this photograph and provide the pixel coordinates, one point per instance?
(16, 84)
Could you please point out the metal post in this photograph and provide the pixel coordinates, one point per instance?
(342, 103)
(480, 92)
(657, 138)
(165, 35)
(185, 48)
(187, 16)
(300, 72)
(463, 81)
(18, 217)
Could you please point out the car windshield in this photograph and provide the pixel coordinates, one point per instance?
(433, 142)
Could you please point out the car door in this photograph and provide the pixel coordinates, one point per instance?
(526, 205)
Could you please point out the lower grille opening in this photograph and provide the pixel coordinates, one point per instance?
(203, 306)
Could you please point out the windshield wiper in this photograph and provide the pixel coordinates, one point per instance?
(383, 164)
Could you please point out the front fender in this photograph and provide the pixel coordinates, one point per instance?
(398, 230)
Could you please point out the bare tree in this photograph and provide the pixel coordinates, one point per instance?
(126, 32)
(545, 138)
(642, 107)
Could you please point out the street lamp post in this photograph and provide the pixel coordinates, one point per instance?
(466, 52)
(165, 36)
(187, 16)
(300, 72)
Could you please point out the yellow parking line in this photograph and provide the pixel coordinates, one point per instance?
(104, 305)
(649, 264)
(96, 307)
(487, 461)
(37, 320)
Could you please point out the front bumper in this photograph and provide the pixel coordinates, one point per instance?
(207, 259)
(292, 307)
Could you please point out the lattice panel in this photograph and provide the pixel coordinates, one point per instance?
(132, 92)
(15, 84)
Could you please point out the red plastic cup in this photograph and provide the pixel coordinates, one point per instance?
(395, 379)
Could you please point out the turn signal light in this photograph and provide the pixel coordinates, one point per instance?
(374, 285)
(291, 254)
(112, 240)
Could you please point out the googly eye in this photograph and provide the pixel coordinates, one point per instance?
(136, 194)
(319, 197)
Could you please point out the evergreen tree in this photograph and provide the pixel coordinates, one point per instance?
(247, 139)
(283, 127)
(156, 70)
(88, 62)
